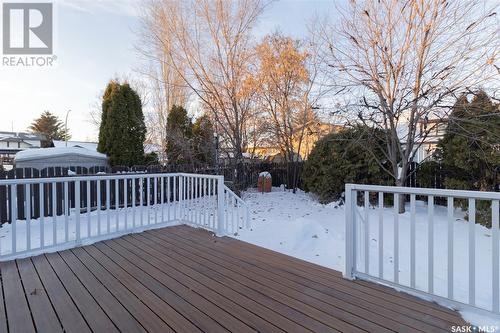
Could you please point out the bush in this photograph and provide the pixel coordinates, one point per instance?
(428, 174)
(341, 158)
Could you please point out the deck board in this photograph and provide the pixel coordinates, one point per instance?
(180, 279)
(42, 311)
(17, 310)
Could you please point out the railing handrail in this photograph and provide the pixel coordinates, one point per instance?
(426, 191)
(132, 175)
(81, 178)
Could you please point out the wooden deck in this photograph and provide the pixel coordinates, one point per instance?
(180, 279)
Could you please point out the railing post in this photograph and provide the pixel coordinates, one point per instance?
(220, 207)
(349, 233)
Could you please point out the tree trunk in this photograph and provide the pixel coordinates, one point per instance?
(401, 182)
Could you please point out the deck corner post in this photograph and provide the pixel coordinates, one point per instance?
(220, 207)
(349, 233)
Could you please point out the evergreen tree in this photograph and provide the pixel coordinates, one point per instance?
(179, 136)
(122, 131)
(51, 127)
(469, 149)
(204, 141)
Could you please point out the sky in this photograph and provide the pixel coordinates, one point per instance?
(95, 42)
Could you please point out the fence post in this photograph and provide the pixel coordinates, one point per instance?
(220, 207)
(349, 233)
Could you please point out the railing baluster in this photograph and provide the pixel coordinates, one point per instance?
(54, 214)
(77, 211)
(27, 214)
(495, 255)
(181, 198)
(396, 237)
(367, 231)
(66, 212)
(117, 204)
(430, 246)
(155, 199)
(205, 201)
(125, 202)
(472, 251)
(41, 195)
(162, 198)
(189, 192)
(148, 199)
(412, 240)
(108, 206)
(13, 204)
(381, 234)
(450, 209)
(89, 218)
(99, 206)
(195, 201)
(175, 192)
(141, 199)
(133, 203)
(211, 221)
(168, 197)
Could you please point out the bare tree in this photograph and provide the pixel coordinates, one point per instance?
(404, 61)
(164, 80)
(209, 46)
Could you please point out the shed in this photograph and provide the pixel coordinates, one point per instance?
(59, 157)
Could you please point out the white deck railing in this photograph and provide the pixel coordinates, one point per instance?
(439, 240)
(49, 214)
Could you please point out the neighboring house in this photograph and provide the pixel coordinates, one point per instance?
(14, 142)
(79, 144)
(436, 129)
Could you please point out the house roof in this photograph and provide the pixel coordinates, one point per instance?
(79, 144)
(11, 136)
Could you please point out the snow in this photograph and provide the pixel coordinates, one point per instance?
(265, 174)
(30, 154)
(299, 226)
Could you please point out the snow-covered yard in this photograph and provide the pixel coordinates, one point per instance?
(297, 225)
